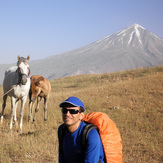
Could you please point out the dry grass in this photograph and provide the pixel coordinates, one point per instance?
(138, 94)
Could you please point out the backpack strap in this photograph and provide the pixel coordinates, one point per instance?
(61, 133)
(84, 134)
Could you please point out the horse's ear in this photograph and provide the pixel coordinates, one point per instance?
(18, 57)
(28, 58)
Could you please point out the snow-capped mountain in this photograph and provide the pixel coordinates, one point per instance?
(130, 48)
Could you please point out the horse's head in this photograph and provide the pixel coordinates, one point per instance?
(23, 70)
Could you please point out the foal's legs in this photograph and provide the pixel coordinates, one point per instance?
(45, 108)
(3, 107)
(37, 107)
(31, 105)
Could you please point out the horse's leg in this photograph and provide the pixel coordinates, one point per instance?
(23, 101)
(30, 111)
(3, 107)
(14, 115)
(45, 108)
(13, 110)
(37, 107)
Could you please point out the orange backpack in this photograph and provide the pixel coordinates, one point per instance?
(109, 134)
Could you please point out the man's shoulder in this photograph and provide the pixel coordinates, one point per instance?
(92, 132)
(89, 135)
(61, 126)
(90, 128)
(61, 129)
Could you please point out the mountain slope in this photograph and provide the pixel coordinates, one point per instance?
(130, 48)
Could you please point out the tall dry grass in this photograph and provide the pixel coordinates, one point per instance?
(132, 99)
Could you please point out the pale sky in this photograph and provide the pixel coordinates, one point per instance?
(43, 28)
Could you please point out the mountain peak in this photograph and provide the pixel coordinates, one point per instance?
(136, 26)
(130, 36)
(136, 31)
(133, 28)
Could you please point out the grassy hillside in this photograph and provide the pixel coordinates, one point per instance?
(132, 99)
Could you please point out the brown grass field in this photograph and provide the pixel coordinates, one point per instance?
(137, 96)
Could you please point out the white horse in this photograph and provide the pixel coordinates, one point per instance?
(16, 84)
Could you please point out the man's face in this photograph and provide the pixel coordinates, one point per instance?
(69, 118)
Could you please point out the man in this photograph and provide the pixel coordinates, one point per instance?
(70, 150)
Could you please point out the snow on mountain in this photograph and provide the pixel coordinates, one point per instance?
(130, 48)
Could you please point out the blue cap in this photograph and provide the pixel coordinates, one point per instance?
(74, 101)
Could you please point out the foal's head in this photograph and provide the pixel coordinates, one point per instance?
(23, 69)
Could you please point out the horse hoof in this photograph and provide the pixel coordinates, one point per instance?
(29, 119)
(1, 119)
(16, 124)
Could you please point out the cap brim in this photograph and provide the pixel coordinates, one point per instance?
(66, 102)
